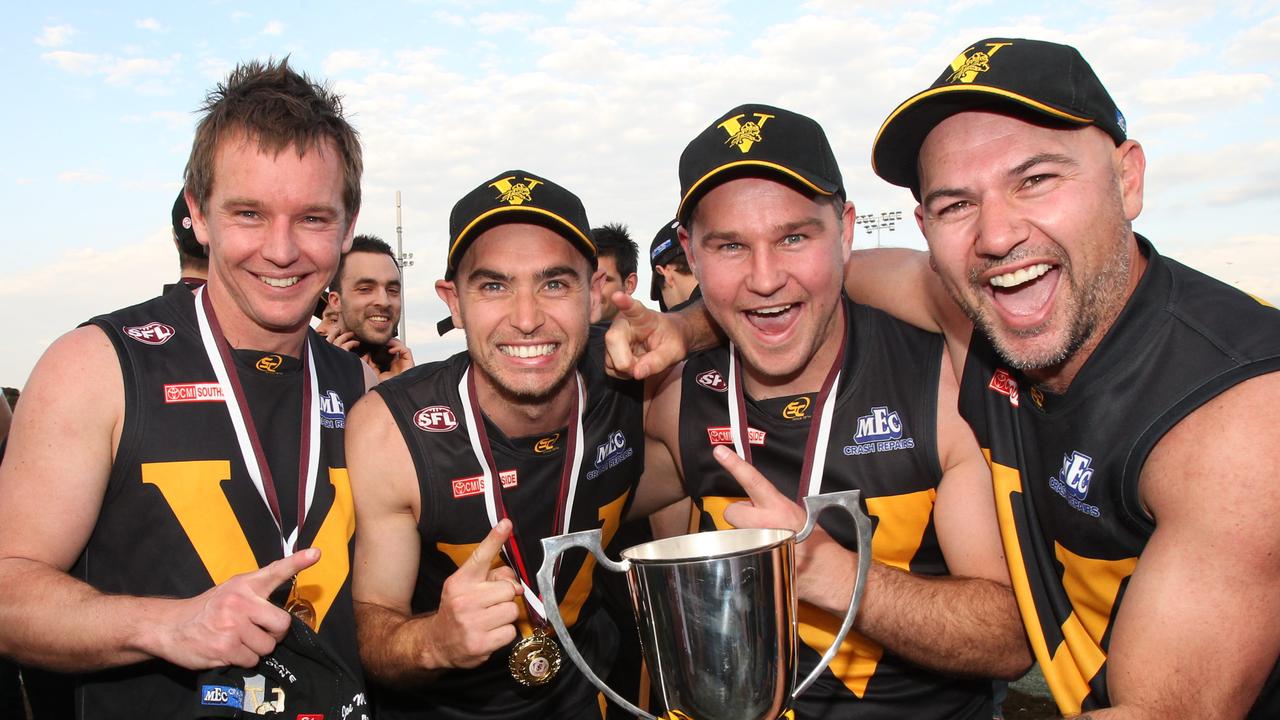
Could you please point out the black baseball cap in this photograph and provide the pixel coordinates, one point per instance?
(182, 229)
(301, 678)
(515, 196)
(664, 248)
(1039, 80)
(752, 140)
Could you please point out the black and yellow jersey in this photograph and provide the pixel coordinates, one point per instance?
(883, 442)
(428, 409)
(180, 513)
(1066, 467)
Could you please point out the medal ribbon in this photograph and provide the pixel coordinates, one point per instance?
(218, 350)
(815, 447)
(493, 504)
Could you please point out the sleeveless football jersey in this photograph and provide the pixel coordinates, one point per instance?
(883, 442)
(180, 513)
(429, 412)
(1066, 467)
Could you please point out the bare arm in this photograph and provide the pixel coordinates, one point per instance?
(661, 484)
(477, 611)
(966, 623)
(1195, 635)
(902, 283)
(51, 491)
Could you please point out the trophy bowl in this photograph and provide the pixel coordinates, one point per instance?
(716, 613)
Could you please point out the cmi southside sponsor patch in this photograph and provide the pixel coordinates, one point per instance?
(712, 380)
(1003, 383)
(193, 392)
(332, 413)
(464, 487)
(222, 696)
(610, 454)
(153, 333)
(436, 418)
(1073, 480)
(724, 435)
(881, 430)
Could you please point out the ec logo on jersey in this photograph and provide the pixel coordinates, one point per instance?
(743, 135)
(712, 380)
(222, 696)
(153, 333)
(332, 413)
(880, 431)
(796, 409)
(547, 444)
(610, 454)
(437, 418)
(1073, 480)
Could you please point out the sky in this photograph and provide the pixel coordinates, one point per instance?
(600, 97)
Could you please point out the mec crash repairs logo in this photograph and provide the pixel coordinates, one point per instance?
(881, 430)
(1073, 480)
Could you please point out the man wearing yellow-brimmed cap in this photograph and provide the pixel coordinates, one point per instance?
(1125, 401)
(460, 464)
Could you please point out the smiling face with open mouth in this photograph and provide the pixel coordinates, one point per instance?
(769, 260)
(1029, 229)
(522, 293)
(275, 227)
(370, 296)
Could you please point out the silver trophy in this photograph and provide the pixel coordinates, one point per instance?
(717, 614)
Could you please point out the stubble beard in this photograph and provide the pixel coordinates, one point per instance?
(1091, 307)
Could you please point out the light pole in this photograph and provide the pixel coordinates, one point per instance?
(404, 260)
(878, 222)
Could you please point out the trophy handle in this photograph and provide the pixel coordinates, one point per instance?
(814, 505)
(552, 547)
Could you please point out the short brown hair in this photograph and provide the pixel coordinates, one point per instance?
(277, 107)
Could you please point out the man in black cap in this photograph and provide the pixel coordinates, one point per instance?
(1126, 402)
(818, 394)
(193, 258)
(454, 462)
(673, 286)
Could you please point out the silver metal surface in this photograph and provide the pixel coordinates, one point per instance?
(716, 613)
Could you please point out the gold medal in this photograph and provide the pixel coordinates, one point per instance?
(534, 660)
(300, 607)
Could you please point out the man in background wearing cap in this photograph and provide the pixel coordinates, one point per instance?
(673, 285)
(1127, 402)
(193, 258)
(767, 229)
(618, 258)
(366, 294)
(178, 463)
(519, 438)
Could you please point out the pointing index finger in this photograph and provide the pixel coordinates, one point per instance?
(481, 560)
(265, 580)
(757, 486)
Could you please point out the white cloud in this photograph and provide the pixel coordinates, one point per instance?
(341, 61)
(89, 281)
(493, 23)
(238, 15)
(1246, 261)
(55, 35)
(150, 24)
(128, 72)
(22, 181)
(1205, 88)
(1257, 44)
(81, 176)
(275, 27)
